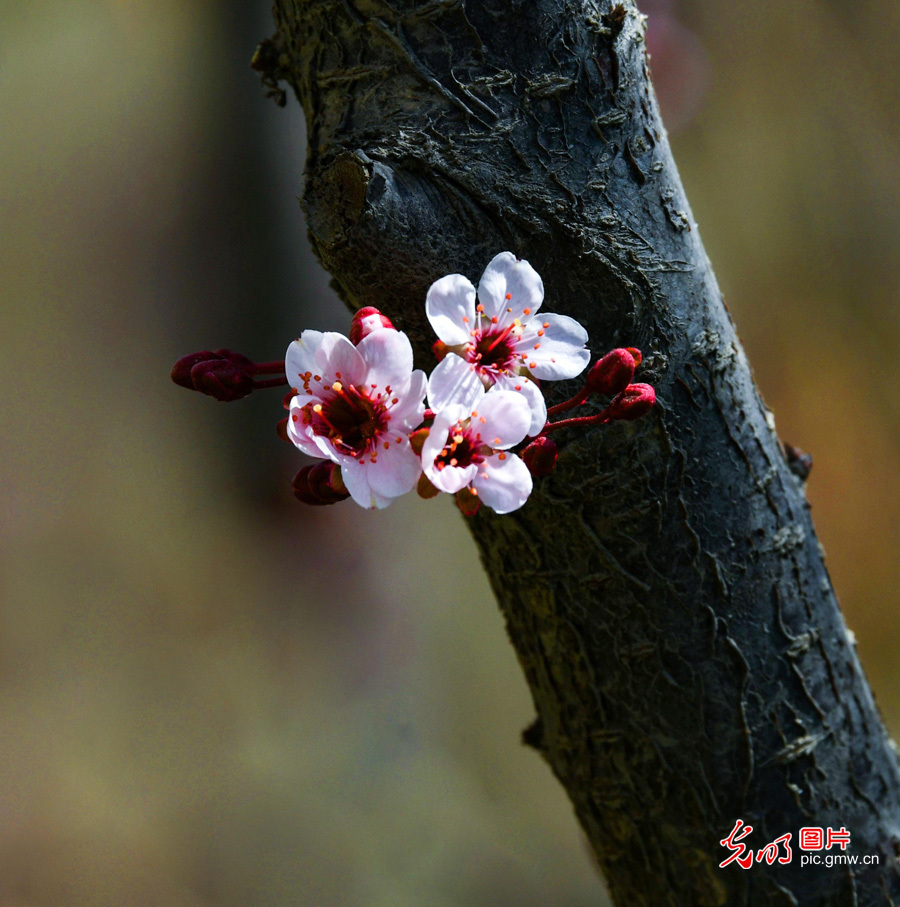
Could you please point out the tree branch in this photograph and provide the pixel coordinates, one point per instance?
(664, 588)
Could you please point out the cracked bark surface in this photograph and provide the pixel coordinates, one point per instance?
(664, 588)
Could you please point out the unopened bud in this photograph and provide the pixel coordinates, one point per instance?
(367, 320)
(417, 440)
(799, 461)
(181, 371)
(320, 484)
(425, 489)
(635, 401)
(611, 374)
(439, 348)
(638, 358)
(540, 456)
(239, 359)
(222, 379)
(468, 501)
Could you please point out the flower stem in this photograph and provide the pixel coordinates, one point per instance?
(265, 368)
(597, 419)
(566, 405)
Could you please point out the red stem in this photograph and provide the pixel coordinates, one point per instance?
(265, 368)
(598, 419)
(566, 405)
(271, 382)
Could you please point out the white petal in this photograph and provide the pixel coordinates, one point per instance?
(454, 381)
(506, 275)
(396, 470)
(503, 419)
(298, 432)
(439, 432)
(356, 479)
(407, 414)
(300, 357)
(451, 478)
(450, 307)
(561, 352)
(389, 357)
(532, 393)
(302, 440)
(339, 358)
(503, 485)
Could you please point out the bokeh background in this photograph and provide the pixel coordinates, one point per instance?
(211, 695)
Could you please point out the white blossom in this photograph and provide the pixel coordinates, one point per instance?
(501, 338)
(355, 406)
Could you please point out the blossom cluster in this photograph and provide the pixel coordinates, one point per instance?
(476, 427)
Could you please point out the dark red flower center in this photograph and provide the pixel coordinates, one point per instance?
(492, 350)
(350, 420)
(463, 448)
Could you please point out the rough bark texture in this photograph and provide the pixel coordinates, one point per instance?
(664, 588)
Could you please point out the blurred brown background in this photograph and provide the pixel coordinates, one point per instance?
(210, 695)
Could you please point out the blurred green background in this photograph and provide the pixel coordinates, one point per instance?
(211, 695)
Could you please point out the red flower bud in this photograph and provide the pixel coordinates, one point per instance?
(367, 320)
(638, 358)
(540, 456)
(222, 379)
(320, 484)
(611, 374)
(181, 371)
(635, 401)
(239, 359)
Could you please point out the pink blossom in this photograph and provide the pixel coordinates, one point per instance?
(501, 337)
(468, 447)
(355, 406)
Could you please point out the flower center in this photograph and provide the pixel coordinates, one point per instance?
(350, 420)
(463, 448)
(491, 350)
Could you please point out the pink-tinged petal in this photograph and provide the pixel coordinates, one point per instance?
(503, 419)
(339, 359)
(299, 433)
(300, 357)
(409, 411)
(326, 449)
(560, 351)
(450, 307)
(396, 469)
(532, 393)
(389, 358)
(451, 479)
(439, 432)
(508, 287)
(356, 478)
(454, 381)
(503, 484)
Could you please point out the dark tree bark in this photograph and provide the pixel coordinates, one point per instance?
(664, 588)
